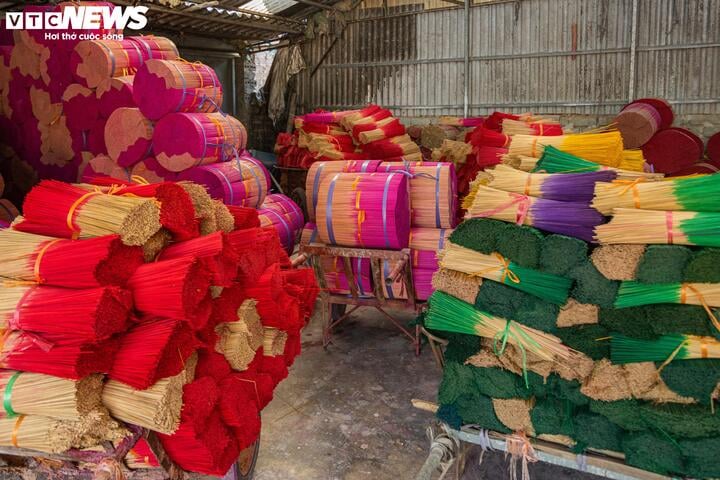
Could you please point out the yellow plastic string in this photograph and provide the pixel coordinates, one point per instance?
(527, 184)
(683, 299)
(16, 430)
(630, 185)
(139, 180)
(71, 212)
(38, 259)
(507, 273)
(673, 354)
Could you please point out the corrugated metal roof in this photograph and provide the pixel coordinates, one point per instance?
(269, 6)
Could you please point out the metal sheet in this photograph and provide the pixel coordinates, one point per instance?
(548, 56)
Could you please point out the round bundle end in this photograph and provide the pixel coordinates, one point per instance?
(141, 224)
(128, 136)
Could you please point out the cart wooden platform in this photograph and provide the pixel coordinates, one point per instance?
(334, 306)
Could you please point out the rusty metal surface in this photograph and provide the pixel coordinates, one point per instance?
(551, 56)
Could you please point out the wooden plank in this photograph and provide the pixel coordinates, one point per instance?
(350, 277)
(335, 251)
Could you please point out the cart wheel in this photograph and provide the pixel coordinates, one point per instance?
(298, 196)
(337, 310)
(244, 468)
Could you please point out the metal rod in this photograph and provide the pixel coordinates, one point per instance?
(316, 4)
(633, 50)
(233, 79)
(466, 75)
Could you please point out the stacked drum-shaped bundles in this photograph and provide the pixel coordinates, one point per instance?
(285, 216)
(433, 192)
(425, 243)
(185, 140)
(368, 210)
(128, 136)
(168, 86)
(114, 93)
(95, 61)
(237, 182)
(320, 170)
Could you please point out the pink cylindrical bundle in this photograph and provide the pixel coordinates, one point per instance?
(43, 107)
(94, 61)
(245, 155)
(369, 210)
(320, 170)
(285, 206)
(128, 136)
(56, 143)
(433, 192)
(235, 182)
(114, 93)
(96, 138)
(104, 166)
(425, 243)
(151, 171)
(185, 140)
(80, 106)
(167, 86)
(285, 216)
(336, 280)
(155, 48)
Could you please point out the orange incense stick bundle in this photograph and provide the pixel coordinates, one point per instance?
(216, 249)
(170, 288)
(93, 314)
(61, 210)
(67, 263)
(154, 349)
(56, 355)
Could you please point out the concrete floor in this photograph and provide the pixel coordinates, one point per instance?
(345, 414)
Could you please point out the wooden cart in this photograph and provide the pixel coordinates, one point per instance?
(334, 306)
(107, 464)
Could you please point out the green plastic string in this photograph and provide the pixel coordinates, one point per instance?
(7, 400)
(502, 338)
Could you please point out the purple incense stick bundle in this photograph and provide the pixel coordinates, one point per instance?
(565, 187)
(369, 210)
(237, 182)
(574, 219)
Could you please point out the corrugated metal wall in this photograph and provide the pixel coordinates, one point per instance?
(548, 56)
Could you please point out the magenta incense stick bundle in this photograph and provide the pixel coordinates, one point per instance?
(425, 243)
(433, 192)
(128, 136)
(114, 93)
(236, 182)
(320, 170)
(370, 210)
(337, 281)
(285, 216)
(150, 170)
(166, 86)
(80, 107)
(185, 140)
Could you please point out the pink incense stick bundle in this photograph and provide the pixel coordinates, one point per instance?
(393, 147)
(433, 192)
(331, 117)
(67, 263)
(80, 106)
(368, 210)
(425, 243)
(43, 107)
(245, 217)
(247, 156)
(184, 140)
(114, 93)
(484, 137)
(170, 288)
(56, 355)
(285, 216)
(336, 280)
(378, 119)
(157, 48)
(93, 61)
(154, 349)
(91, 314)
(128, 136)
(319, 171)
(103, 166)
(235, 182)
(169, 86)
(391, 130)
(96, 137)
(352, 118)
(216, 249)
(309, 234)
(150, 170)
(55, 143)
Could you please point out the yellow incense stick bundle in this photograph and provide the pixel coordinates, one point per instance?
(630, 225)
(239, 340)
(520, 162)
(604, 148)
(274, 341)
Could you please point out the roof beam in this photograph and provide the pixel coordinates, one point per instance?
(315, 4)
(239, 22)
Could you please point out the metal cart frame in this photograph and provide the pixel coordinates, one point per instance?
(332, 317)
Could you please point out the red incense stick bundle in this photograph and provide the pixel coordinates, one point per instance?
(91, 314)
(259, 385)
(245, 217)
(56, 355)
(154, 349)
(276, 307)
(67, 263)
(170, 288)
(238, 405)
(305, 279)
(212, 364)
(216, 249)
(293, 347)
(200, 398)
(391, 130)
(275, 367)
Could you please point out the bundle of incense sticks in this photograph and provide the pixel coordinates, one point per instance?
(171, 288)
(664, 349)
(433, 192)
(557, 161)
(91, 314)
(425, 243)
(114, 93)
(215, 249)
(575, 219)
(630, 225)
(549, 287)
(633, 294)
(319, 171)
(699, 194)
(240, 339)
(566, 187)
(67, 263)
(369, 210)
(61, 210)
(166, 86)
(152, 350)
(30, 393)
(237, 182)
(541, 127)
(604, 148)
(461, 122)
(449, 314)
(128, 136)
